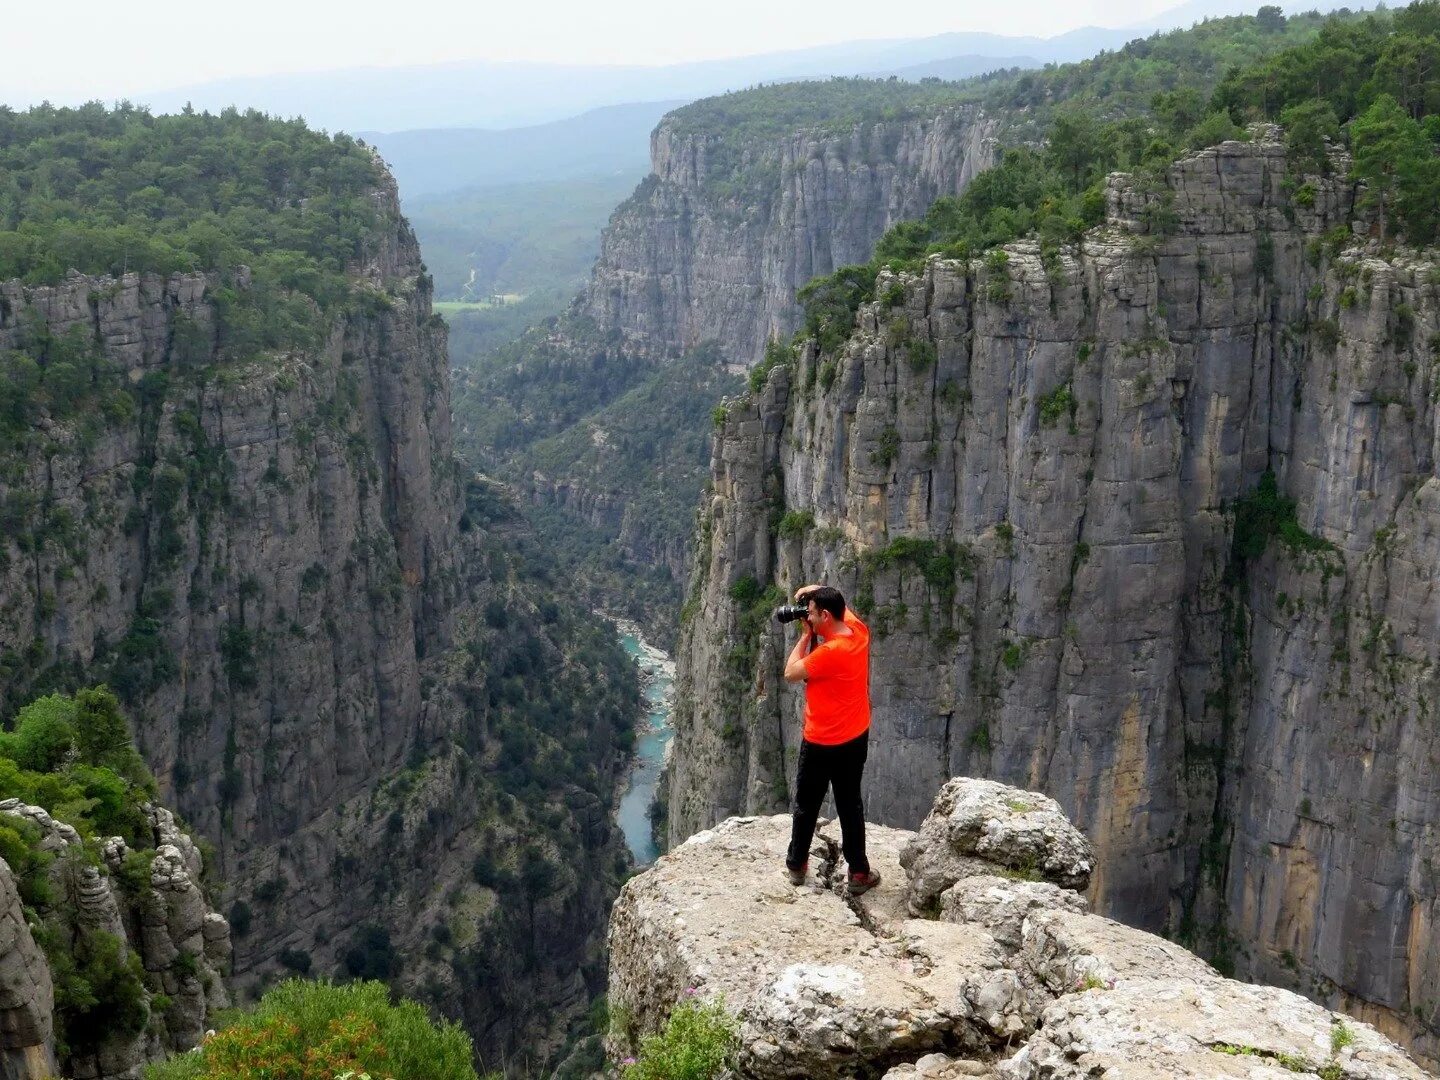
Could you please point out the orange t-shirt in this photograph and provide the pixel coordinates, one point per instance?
(837, 686)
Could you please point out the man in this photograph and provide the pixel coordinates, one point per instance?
(836, 673)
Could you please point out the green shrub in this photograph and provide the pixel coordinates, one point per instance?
(302, 1030)
(1059, 402)
(72, 756)
(696, 1043)
(997, 276)
(240, 918)
(20, 848)
(1215, 128)
(795, 524)
(921, 354)
(99, 993)
(887, 448)
(44, 733)
(1264, 514)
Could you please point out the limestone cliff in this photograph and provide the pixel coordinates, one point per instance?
(716, 241)
(1147, 524)
(154, 912)
(265, 559)
(973, 958)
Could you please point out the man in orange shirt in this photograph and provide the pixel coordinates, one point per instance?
(836, 673)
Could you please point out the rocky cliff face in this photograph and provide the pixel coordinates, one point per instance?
(159, 917)
(715, 243)
(1148, 525)
(974, 958)
(266, 561)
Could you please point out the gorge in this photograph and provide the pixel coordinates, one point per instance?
(1108, 401)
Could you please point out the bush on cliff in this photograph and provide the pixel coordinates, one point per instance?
(317, 1031)
(73, 756)
(697, 1042)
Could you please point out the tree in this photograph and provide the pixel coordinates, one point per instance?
(44, 734)
(1391, 150)
(1407, 70)
(1308, 127)
(1270, 19)
(102, 734)
(1074, 145)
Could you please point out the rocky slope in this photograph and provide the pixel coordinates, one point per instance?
(266, 560)
(1146, 524)
(974, 958)
(716, 241)
(162, 919)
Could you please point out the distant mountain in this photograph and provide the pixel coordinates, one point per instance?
(488, 94)
(484, 94)
(601, 142)
(959, 67)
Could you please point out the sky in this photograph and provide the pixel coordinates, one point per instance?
(107, 51)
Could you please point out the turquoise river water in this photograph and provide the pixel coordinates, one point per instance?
(657, 675)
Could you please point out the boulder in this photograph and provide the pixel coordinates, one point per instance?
(1010, 978)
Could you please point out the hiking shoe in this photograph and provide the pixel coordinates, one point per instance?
(862, 883)
(797, 877)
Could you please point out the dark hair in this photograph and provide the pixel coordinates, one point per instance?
(828, 599)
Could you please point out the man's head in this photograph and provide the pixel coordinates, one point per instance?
(822, 606)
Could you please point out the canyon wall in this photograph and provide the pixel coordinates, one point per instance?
(1148, 524)
(265, 559)
(715, 242)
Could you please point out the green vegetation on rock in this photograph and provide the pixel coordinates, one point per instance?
(697, 1042)
(316, 1031)
(1264, 515)
(72, 757)
(277, 211)
(1140, 107)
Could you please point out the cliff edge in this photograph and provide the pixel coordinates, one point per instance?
(976, 957)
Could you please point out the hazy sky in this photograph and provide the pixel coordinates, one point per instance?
(102, 49)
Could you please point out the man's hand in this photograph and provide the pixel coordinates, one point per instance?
(795, 663)
(803, 591)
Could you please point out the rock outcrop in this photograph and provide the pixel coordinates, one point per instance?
(1148, 524)
(1015, 979)
(715, 242)
(152, 909)
(27, 995)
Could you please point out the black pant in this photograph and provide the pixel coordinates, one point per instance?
(821, 767)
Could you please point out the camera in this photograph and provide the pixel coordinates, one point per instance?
(790, 612)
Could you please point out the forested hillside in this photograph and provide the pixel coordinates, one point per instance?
(1366, 78)
(228, 491)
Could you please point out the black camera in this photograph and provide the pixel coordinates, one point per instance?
(791, 612)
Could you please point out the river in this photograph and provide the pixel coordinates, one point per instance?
(657, 679)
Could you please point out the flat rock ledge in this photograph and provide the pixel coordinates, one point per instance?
(976, 957)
